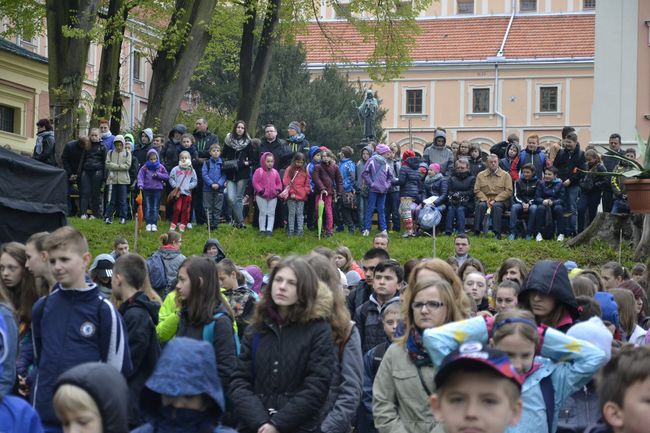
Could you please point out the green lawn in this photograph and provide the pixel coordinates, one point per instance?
(248, 247)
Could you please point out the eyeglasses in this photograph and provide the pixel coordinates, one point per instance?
(431, 305)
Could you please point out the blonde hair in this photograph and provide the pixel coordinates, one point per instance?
(73, 399)
(626, 309)
(66, 236)
(447, 273)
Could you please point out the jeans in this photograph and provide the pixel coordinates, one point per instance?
(236, 191)
(392, 209)
(296, 216)
(182, 209)
(91, 194)
(328, 216)
(198, 208)
(267, 213)
(213, 203)
(376, 200)
(117, 200)
(571, 195)
(455, 213)
(497, 215)
(558, 217)
(518, 209)
(151, 198)
(587, 208)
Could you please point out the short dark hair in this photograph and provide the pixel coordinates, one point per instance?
(376, 253)
(120, 241)
(463, 236)
(588, 308)
(572, 136)
(626, 368)
(391, 265)
(347, 151)
(552, 169)
(44, 123)
(615, 135)
(528, 166)
(566, 130)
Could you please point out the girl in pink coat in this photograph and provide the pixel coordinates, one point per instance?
(267, 185)
(297, 179)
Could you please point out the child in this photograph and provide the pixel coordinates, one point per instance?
(510, 163)
(348, 202)
(74, 324)
(505, 296)
(188, 144)
(475, 286)
(151, 180)
(213, 186)
(387, 279)
(242, 299)
(296, 179)
(183, 178)
(92, 176)
(361, 187)
(267, 185)
(591, 189)
(92, 398)
(476, 163)
(525, 191)
(141, 317)
(212, 248)
(329, 185)
(118, 162)
(550, 205)
(533, 155)
(190, 400)
(564, 364)
(547, 293)
(314, 160)
(622, 385)
(378, 176)
(477, 389)
(410, 190)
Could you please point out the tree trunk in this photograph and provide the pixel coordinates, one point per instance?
(117, 106)
(109, 69)
(607, 227)
(642, 250)
(176, 60)
(252, 75)
(67, 58)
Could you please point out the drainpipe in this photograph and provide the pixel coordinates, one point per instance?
(131, 93)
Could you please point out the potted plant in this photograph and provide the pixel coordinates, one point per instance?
(637, 176)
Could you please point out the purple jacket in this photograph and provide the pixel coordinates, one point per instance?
(148, 179)
(377, 174)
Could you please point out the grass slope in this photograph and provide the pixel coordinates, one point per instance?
(247, 247)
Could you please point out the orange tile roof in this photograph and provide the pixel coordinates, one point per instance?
(464, 39)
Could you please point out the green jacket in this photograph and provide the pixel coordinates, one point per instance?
(168, 318)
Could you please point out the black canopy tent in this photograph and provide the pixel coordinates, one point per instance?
(33, 197)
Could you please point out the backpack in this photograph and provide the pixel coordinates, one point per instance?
(157, 272)
(208, 331)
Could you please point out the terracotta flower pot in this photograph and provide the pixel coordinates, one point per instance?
(638, 194)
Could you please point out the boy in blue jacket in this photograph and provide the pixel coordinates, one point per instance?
(74, 324)
(349, 201)
(213, 182)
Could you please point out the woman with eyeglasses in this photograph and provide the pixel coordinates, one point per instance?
(404, 381)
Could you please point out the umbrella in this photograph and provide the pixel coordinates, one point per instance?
(321, 209)
(138, 200)
(486, 219)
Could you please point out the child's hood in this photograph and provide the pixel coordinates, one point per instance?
(551, 278)
(152, 151)
(313, 151)
(263, 160)
(186, 367)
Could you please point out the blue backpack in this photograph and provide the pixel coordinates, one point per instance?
(157, 273)
(208, 331)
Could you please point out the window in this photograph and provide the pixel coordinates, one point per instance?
(589, 4)
(548, 99)
(528, 6)
(465, 6)
(7, 119)
(481, 100)
(137, 64)
(414, 101)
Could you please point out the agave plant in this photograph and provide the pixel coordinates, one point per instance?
(636, 169)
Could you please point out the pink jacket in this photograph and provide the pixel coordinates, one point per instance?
(266, 183)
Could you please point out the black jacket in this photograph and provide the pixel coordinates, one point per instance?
(476, 165)
(281, 152)
(203, 142)
(141, 317)
(95, 157)
(461, 190)
(594, 183)
(284, 372)
(71, 157)
(525, 190)
(569, 164)
(48, 151)
(248, 153)
(410, 181)
(500, 149)
(140, 153)
(358, 296)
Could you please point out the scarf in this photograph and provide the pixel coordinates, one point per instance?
(106, 134)
(416, 350)
(428, 181)
(298, 138)
(237, 144)
(153, 166)
(186, 166)
(275, 316)
(184, 421)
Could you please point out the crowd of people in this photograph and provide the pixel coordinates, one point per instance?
(317, 343)
(532, 191)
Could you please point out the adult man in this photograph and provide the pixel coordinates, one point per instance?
(277, 146)
(106, 134)
(569, 161)
(438, 152)
(71, 160)
(461, 249)
(380, 241)
(493, 189)
(204, 139)
(610, 164)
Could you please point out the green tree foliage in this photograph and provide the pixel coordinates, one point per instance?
(25, 18)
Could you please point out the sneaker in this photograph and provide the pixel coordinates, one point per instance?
(189, 226)
(365, 233)
(497, 236)
(108, 221)
(560, 237)
(383, 232)
(122, 221)
(148, 228)
(172, 227)
(92, 217)
(406, 234)
(539, 237)
(511, 237)
(154, 228)
(181, 228)
(84, 216)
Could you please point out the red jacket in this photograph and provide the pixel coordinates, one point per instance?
(300, 186)
(325, 176)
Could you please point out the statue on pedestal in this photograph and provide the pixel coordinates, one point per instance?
(367, 113)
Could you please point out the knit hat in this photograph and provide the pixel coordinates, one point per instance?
(353, 278)
(439, 133)
(609, 308)
(149, 133)
(595, 332)
(570, 264)
(407, 154)
(295, 126)
(434, 166)
(314, 150)
(257, 275)
(382, 149)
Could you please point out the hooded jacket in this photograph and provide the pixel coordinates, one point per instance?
(172, 260)
(266, 182)
(327, 177)
(368, 317)
(439, 154)
(71, 327)
(152, 180)
(377, 175)
(45, 151)
(439, 186)
(221, 254)
(284, 372)
(348, 174)
(410, 181)
(211, 173)
(118, 165)
(107, 388)
(569, 362)
(569, 163)
(300, 186)
(169, 154)
(141, 149)
(510, 165)
(550, 190)
(141, 317)
(536, 157)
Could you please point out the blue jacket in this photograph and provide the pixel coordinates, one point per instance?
(8, 349)
(570, 362)
(537, 158)
(348, 174)
(17, 416)
(550, 190)
(71, 327)
(410, 181)
(211, 173)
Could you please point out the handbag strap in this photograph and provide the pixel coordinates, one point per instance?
(292, 179)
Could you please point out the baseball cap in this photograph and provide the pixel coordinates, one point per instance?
(103, 263)
(476, 353)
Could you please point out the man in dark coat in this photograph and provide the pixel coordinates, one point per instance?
(281, 159)
(71, 159)
(611, 164)
(204, 139)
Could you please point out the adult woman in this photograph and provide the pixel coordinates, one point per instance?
(404, 381)
(238, 156)
(345, 262)
(44, 149)
(285, 366)
(436, 268)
